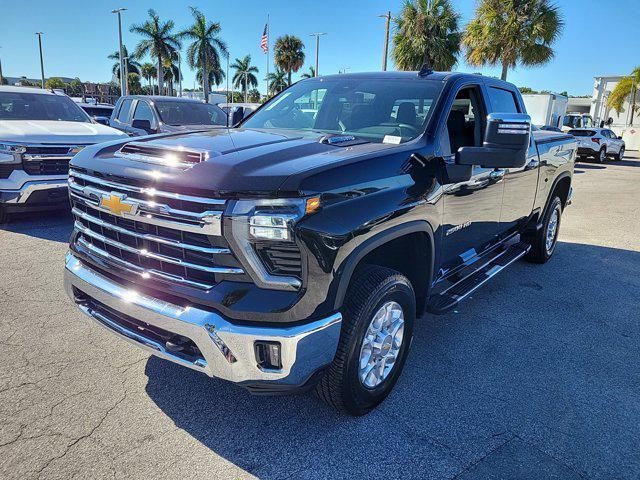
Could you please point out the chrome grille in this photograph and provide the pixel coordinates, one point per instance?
(169, 244)
(47, 159)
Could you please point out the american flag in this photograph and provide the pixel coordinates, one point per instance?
(264, 43)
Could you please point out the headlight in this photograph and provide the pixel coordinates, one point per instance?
(10, 152)
(265, 221)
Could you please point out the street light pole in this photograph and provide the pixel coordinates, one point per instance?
(126, 75)
(179, 74)
(123, 83)
(386, 40)
(39, 34)
(317, 35)
(1, 77)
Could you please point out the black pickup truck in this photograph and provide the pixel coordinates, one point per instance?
(298, 249)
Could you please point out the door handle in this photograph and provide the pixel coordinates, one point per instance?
(497, 174)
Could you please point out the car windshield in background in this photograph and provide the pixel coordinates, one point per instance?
(377, 110)
(98, 111)
(188, 113)
(38, 106)
(582, 133)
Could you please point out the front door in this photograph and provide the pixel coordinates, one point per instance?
(471, 219)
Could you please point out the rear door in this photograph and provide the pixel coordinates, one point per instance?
(122, 118)
(471, 209)
(520, 183)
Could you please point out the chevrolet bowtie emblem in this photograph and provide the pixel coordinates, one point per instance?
(117, 204)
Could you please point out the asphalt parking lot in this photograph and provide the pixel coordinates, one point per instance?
(537, 376)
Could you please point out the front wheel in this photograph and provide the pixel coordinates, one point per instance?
(543, 244)
(377, 328)
(620, 154)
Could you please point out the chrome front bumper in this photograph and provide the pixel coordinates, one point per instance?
(21, 195)
(228, 350)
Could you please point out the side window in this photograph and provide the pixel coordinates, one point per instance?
(502, 101)
(144, 112)
(123, 114)
(464, 125)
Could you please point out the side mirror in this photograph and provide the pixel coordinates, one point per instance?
(102, 120)
(237, 116)
(506, 142)
(619, 137)
(142, 125)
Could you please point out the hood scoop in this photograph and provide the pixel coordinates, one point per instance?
(177, 157)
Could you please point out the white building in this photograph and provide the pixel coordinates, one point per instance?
(602, 88)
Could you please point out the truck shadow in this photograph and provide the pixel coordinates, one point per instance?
(54, 225)
(535, 354)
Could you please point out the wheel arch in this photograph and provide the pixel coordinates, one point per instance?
(417, 268)
(561, 186)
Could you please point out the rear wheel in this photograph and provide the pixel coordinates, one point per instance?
(543, 244)
(4, 217)
(620, 154)
(377, 328)
(602, 155)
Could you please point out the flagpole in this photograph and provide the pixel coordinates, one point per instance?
(268, 50)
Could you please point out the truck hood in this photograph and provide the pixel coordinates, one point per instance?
(49, 131)
(240, 161)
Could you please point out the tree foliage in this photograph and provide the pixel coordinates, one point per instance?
(277, 81)
(132, 66)
(310, 74)
(426, 32)
(205, 50)
(159, 41)
(55, 82)
(289, 54)
(508, 32)
(244, 76)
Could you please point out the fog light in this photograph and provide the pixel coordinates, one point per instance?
(268, 355)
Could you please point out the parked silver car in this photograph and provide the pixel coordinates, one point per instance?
(598, 143)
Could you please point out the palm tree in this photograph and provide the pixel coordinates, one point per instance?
(288, 54)
(216, 77)
(310, 74)
(204, 53)
(505, 32)
(148, 71)
(426, 33)
(627, 86)
(159, 42)
(277, 81)
(131, 65)
(171, 71)
(244, 74)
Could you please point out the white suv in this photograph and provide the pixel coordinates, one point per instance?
(40, 131)
(598, 143)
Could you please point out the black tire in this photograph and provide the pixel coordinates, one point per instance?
(371, 287)
(539, 252)
(582, 158)
(4, 216)
(602, 155)
(620, 154)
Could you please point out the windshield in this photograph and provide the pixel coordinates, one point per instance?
(190, 113)
(38, 106)
(387, 110)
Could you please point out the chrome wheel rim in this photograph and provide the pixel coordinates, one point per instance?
(603, 155)
(552, 229)
(381, 345)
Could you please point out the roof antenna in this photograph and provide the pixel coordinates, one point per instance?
(425, 70)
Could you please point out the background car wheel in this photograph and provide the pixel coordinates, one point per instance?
(544, 243)
(377, 327)
(620, 154)
(602, 155)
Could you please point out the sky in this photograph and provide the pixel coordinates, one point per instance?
(599, 38)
